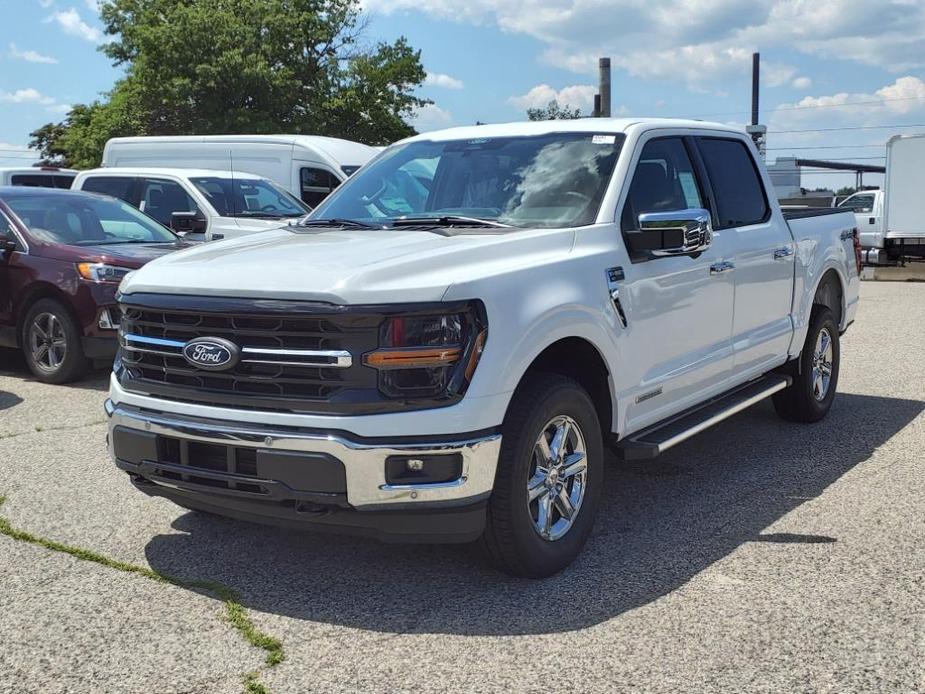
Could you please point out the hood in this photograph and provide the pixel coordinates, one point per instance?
(131, 255)
(344, 266)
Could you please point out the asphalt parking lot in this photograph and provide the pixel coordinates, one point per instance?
(760, 556)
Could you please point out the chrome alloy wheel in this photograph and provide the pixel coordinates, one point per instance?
(556, 487)
(823, 357)
(47, 342)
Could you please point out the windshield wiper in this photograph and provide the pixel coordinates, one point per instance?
(448, 220)
(335, 222)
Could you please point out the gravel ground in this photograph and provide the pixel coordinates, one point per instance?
(760, 556)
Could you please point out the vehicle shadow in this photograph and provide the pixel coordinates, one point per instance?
(13, 365)
(661, 523)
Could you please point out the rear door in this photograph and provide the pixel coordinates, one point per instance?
(678, 309)
(764, 254)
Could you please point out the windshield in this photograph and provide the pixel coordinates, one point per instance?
(550, 180)
(85, 220)
(249, 197)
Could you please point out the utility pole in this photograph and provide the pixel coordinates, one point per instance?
(604, 77)
(757, 131)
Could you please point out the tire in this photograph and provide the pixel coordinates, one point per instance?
(513, 540)
(810, 396)
(62, 360)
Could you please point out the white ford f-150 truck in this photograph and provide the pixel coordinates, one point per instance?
(444, 349)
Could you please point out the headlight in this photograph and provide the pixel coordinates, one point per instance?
(429, 355)
(100, 272)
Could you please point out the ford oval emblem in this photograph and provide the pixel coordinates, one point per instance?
(211, 353)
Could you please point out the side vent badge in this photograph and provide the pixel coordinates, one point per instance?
(615, 275)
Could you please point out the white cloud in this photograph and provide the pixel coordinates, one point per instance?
(28, 95)
(700, 43)
(576, 96)
(802, 83)
(59, 108)
(71, 23)
(30, 56)
(436, 79)
(431, 117)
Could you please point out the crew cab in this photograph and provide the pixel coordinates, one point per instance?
(442, 351)
(202, 204)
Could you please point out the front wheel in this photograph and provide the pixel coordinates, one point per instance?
(51, 343)
(810, 396)
(549, 479)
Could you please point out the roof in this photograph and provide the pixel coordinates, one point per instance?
(167, 171)
(544, 127)
(343, 151)
(36, 191)
(49, 170)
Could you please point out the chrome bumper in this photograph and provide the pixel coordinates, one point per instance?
(364, 463)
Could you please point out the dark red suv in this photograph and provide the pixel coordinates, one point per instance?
(62, 256)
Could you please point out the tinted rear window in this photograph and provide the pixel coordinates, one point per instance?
(736, 185)
(38, 180)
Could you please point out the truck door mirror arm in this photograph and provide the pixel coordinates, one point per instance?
(187, 222)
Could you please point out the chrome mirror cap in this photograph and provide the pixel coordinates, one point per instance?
(694, 225)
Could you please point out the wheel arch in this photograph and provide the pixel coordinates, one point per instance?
(830, 292)
(35, 293)
(579, 359)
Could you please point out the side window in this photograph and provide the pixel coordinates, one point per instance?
(859, 203)
(63, 181)
(664, 181)
(160, 199)
(740, 196)
(116, 186)
(317, 184)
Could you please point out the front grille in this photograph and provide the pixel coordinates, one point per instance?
(298, 361)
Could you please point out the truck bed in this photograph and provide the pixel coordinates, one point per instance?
(803, 212)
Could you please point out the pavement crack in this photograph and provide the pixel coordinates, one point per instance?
(235, 613)
(40, 430)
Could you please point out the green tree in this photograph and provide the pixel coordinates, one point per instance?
(553, 111)
(244, 66)
(847, 190)
(48, 140)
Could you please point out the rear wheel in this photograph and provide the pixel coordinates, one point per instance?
(51, 343)
(810, 396)
(549, 479)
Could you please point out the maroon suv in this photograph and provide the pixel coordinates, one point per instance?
(62, 256)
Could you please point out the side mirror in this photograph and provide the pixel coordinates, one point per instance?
(187, 222)
(678, 232)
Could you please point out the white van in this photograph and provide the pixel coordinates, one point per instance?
(202, 204)
(37, 176)
(308, 166)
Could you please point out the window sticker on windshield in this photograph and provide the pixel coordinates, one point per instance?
(603, 139)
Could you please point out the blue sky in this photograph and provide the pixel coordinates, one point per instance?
(826, 63)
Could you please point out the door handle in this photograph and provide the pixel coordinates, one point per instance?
(719, 268)
(783, 253)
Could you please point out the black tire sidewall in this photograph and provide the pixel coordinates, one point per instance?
(75, 363)
(821, 318)
(565, 397)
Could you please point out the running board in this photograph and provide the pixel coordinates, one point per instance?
(657, 439)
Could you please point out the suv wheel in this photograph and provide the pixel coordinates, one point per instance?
(810, 396)
(51, 343)
(549, 479)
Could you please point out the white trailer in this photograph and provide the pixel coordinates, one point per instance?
(308, 166)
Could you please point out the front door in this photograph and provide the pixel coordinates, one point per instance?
(678, 309)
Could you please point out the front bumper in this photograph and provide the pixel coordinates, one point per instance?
(303, 477)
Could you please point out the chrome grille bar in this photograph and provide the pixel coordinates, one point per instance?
(335, 358)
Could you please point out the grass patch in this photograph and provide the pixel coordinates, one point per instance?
(235, 613)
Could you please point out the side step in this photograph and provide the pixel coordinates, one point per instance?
(658, 438)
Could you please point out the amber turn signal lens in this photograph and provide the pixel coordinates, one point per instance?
(476, 354)
(412, 358)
